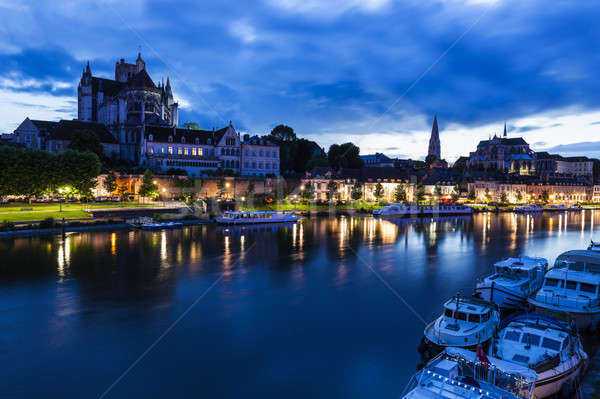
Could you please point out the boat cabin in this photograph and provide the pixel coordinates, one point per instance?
(250, 215)
(579, 260)
(468, 310)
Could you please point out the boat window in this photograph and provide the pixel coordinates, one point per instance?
(552, 282)
(593, 267)
(485, 317)
(571, 285)
(474, 318)
(522, 273)
(588, 288)
(461, 316)
(512, 335)
(448, 313)
(553, 344)
(531, 339)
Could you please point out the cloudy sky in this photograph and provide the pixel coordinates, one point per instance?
(373, 71)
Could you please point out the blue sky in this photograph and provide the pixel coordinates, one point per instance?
(373, 71)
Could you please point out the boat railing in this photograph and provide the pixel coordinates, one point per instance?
(559, 299)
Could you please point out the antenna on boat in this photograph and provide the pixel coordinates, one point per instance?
(457, 300)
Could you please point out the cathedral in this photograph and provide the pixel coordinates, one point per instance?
(127, 103)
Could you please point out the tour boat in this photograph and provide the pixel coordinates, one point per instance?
(251, 217)
(555, 208)
(418, 210)
(397, 210)
(572, 287)
(575, 208)
(547, 346)
(465, 323)
(459, 373)
(513, 280)
(160, 225)
(529, 208)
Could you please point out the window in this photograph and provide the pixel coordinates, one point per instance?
(474, 318)
(185, 151)
(170, 139)
(553, 344)
(267, 154)
(571, 285)
(171, 150)
(552, 282)
(162, 150)
(150, 138)
(485, 317)
(183, 139)
(209, 141)
(151, 150)
(461, 316)
(261, 153)
(590, 288)
(512, 335)
(197, 140)
(531, 339)
(200, 152)
(448, 313)
(178, 150)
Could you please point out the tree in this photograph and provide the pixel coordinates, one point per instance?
(378, 191)
(318, 160)
(356, 192)
(332, 190)
(309, 191)
(437, 191)
(79, 170)
(519, 196)
(191, 126)
(122, 190)
(148, 189)
(400, 193)
(344, 156)
(429, 159)
(455, 193)
(503, 198)
(110, 182)
(420, 192)
(471, 196)
(250, 188)
(281, 189)
(282, 133)
(488, 196)
(86, 141)
(545, 196)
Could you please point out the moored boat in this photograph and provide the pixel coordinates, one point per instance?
(549, 347)
(160, 225)
(575, 208)
(459, 373)
(594, 246)
(572, 287)
(529, 208)
(422, 210)
(555, 208)
(513, 280)
(252, 217)
(397, 210)
(465, 323)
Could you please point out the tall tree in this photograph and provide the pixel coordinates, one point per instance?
(86, 141)
(191, 126)
(378, 191)
(356, 192)
(309, 191)
(282, 133)
(344, 156)
(420, 192)
(332, 190)
(148, 189)
(79, 170)
(110, 182)
(455, 193)
(400, 193)
(471, 196)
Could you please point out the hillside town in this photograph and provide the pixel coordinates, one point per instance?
(133, 124)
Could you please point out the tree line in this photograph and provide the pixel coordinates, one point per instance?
(32, 172)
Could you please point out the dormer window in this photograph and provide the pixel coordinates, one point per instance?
(197, 141)
(170, 139)
(150, 138)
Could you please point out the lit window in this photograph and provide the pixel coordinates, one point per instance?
(151, 150)
(200, 152)
(194, 151)
(185, 151)
(162, 149)
(178, 150)
(150, 138)
(171, 150)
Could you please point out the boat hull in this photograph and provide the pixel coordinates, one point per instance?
(584, 319)
(562, 379)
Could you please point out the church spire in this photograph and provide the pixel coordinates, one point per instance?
(504, 128)
(434, 141)
(87, 68)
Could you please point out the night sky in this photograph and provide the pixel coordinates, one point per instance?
(374, 72)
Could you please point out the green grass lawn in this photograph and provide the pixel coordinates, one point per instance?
(306, 207)
(19, 212)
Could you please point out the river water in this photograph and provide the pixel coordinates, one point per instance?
(329, 307)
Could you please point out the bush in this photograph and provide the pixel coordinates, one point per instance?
(7, 225)
(47, 223)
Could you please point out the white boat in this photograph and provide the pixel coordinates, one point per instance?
(397, 210)
(424, 210)
(459, 373)
(252, 217)
(575, 208)
(513, 280)
(465, 323)
(529, 208)
(555, 208)
(160, 225)
(572, 287)
(547, 346)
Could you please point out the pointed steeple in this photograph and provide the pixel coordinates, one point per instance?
(168, 88)
(87, 68)
(434, 140)
(504, 129)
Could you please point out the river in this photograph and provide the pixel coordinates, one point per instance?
(329, 307)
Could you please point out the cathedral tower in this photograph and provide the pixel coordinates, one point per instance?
(434, 141)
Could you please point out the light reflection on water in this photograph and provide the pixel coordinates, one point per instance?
(295, 300)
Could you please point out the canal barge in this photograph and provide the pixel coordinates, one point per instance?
(549, 347)
(513, 281)
(572, 287)
(253, 217)
(422, 210)
(458, 373)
